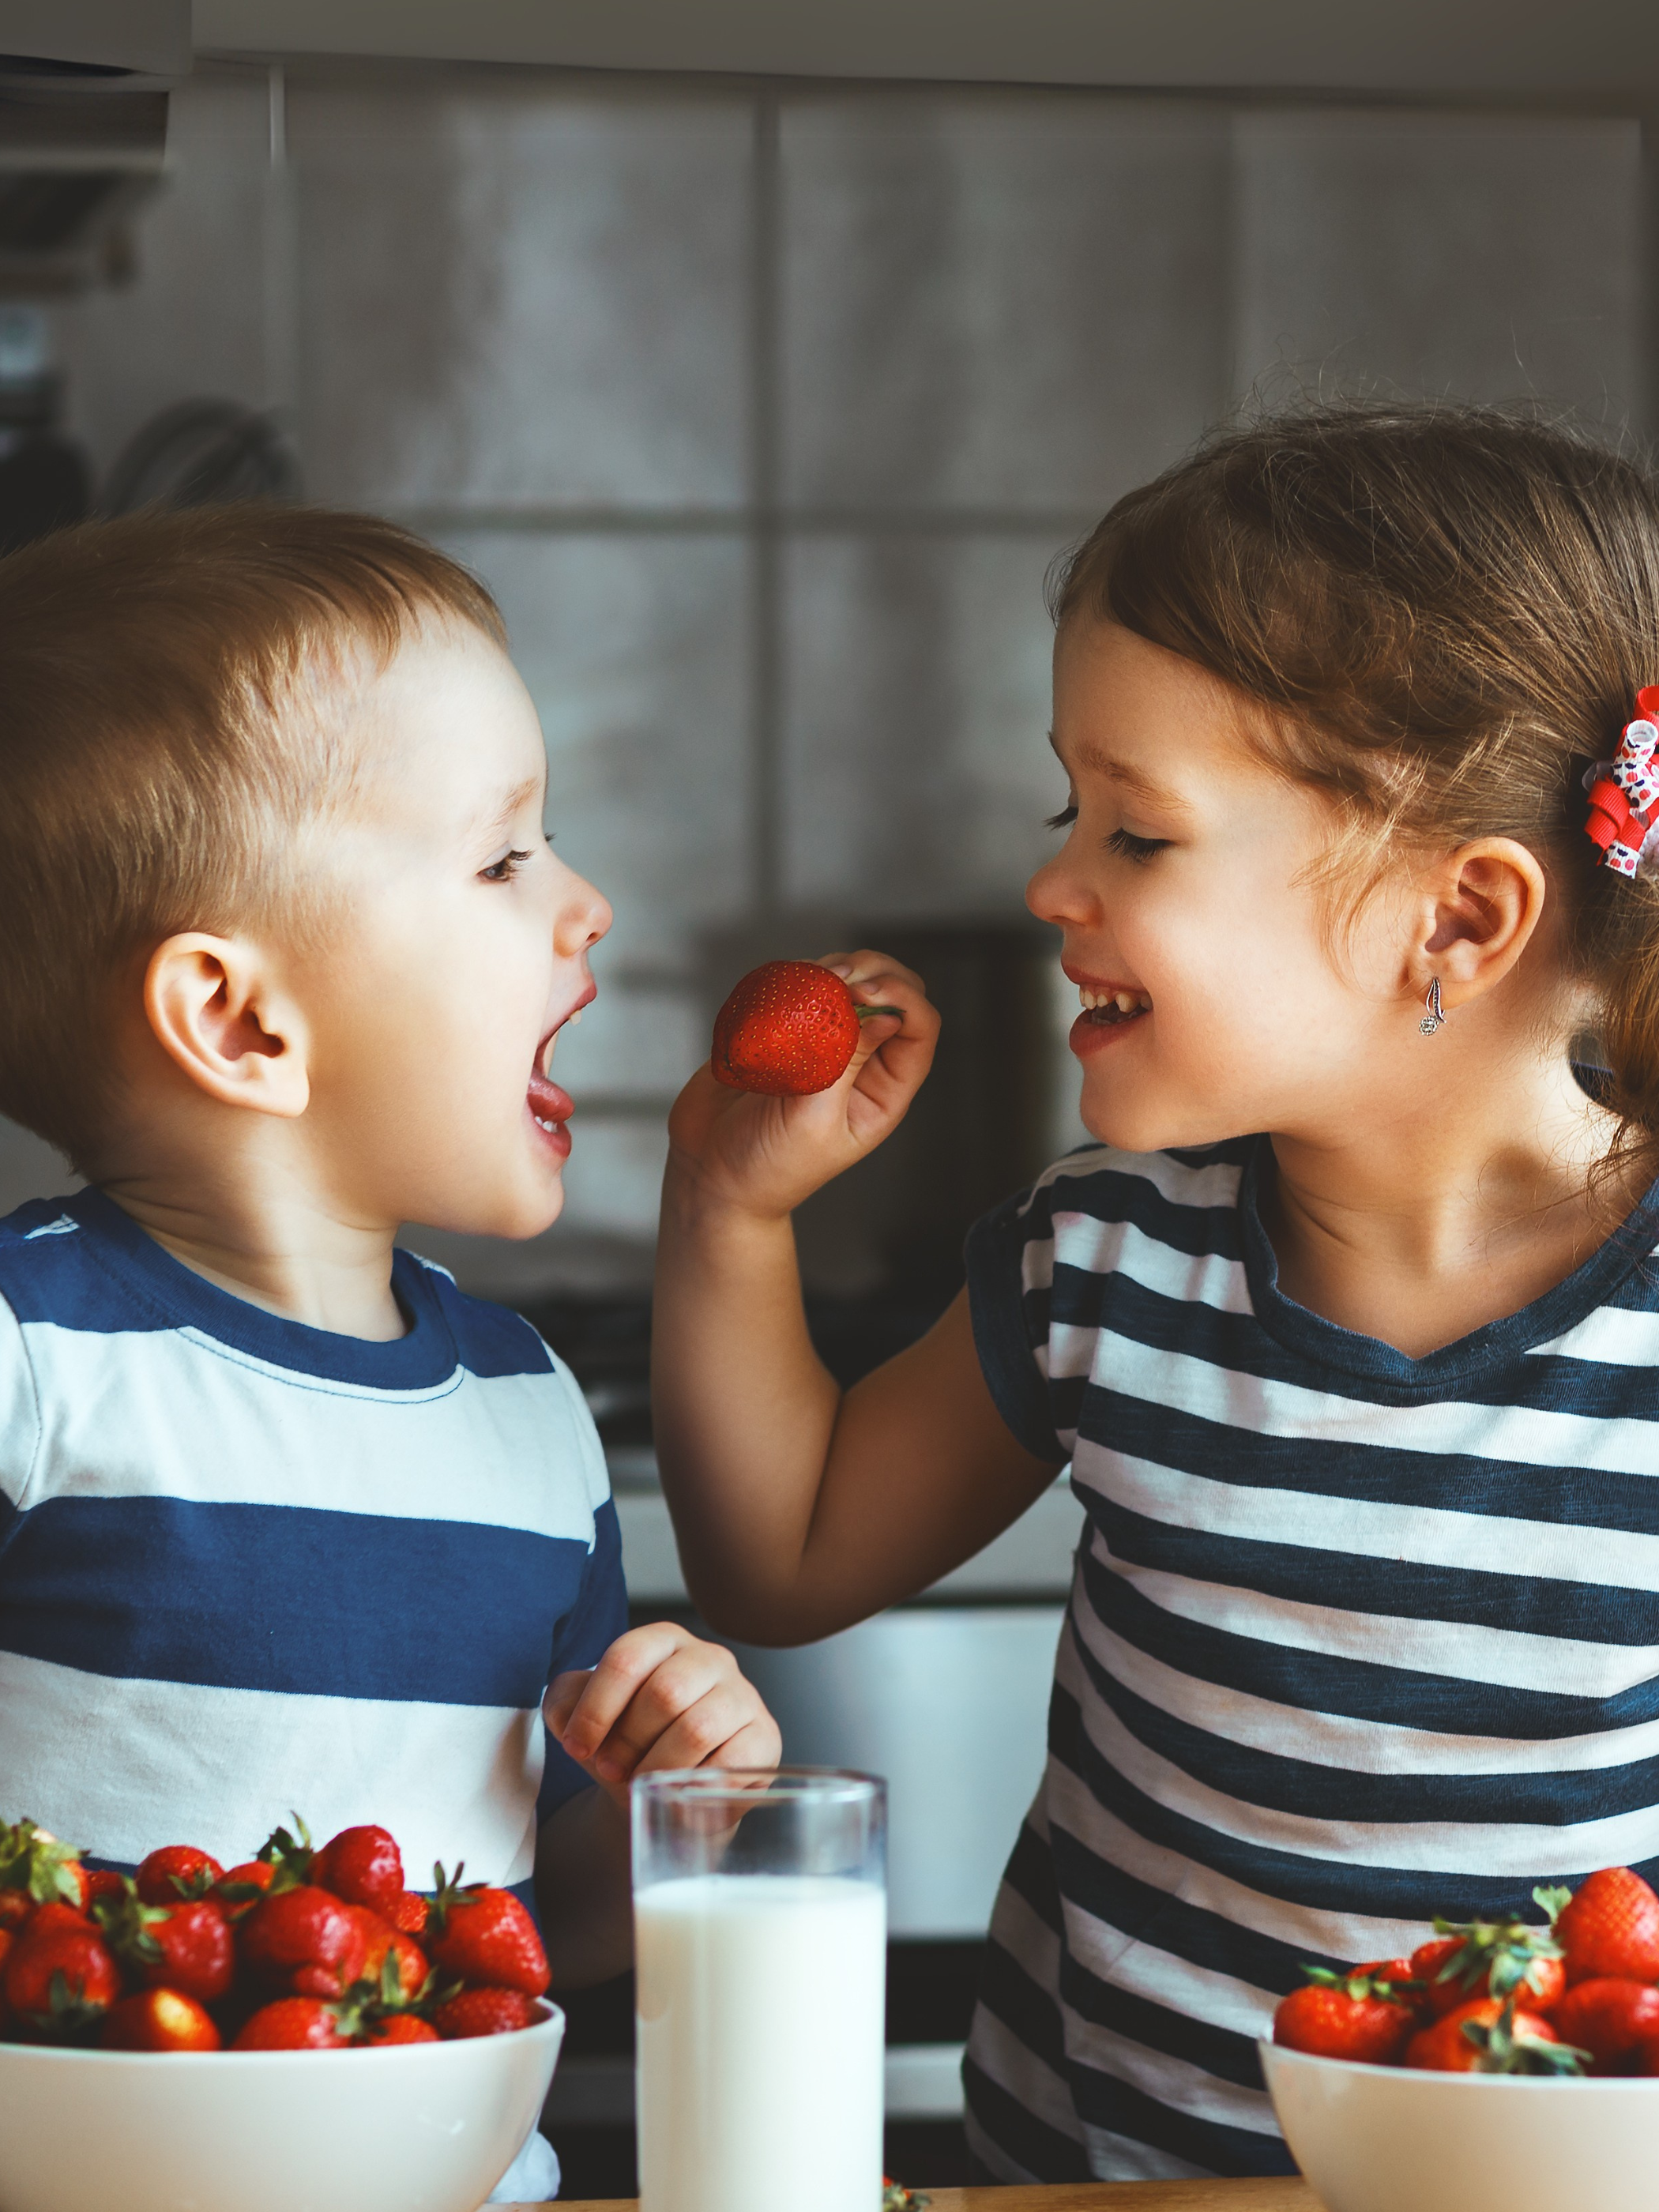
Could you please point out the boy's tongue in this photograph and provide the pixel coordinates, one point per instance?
(547, 1101)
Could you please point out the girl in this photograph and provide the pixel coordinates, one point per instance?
(1347, 1324)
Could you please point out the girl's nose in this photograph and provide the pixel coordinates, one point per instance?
(1054, 894)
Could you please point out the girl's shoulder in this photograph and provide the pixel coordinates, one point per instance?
(1092, 1198)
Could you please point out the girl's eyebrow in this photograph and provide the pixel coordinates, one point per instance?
(1131, 778)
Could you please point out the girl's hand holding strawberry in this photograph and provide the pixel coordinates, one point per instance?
(659, 1698)
(762, 1156)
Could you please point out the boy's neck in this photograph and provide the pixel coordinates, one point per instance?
(283, 1250)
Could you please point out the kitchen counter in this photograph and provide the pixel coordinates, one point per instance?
(1087, 2196)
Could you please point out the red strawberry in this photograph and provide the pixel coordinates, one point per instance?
(304, 1942)
(362, 1865)
(1489, 2036)
(60, 1978)
(788, 1028)
(486, 2012)
(384, 1944)
(409, 1912)
(53, 1914)
(398, 2028)
(1610, 1928)
(1609, 2019)
(294, 2024)
(239, 1891)
(1489, 1958)
(37, 1868)
(485, 1935)
(1345, 2016)
(184, 1946)
(104, 1881)
(177, 1870)
(159, 2020)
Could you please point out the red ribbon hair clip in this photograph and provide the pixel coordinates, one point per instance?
(1624, 795)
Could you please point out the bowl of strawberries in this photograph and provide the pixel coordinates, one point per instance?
(299, 2033)
(1506, 2065)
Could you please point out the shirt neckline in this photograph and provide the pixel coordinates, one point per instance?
(424, 1357)
(1493, 1345)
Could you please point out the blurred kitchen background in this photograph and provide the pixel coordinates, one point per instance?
(763, 403)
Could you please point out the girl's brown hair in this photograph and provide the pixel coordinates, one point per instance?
(1447, 612)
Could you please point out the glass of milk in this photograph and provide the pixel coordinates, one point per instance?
(760, 1920)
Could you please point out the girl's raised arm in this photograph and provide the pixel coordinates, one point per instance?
(800, 1508)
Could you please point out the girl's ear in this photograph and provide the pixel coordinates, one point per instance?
(215, 1013)
(1480, 907)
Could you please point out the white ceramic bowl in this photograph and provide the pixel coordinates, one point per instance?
(1391, 2139)
(423, 2127)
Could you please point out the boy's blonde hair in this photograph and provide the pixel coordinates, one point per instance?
(1443, 615)
(165, 732)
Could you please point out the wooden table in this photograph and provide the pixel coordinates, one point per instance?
(1088, 2196)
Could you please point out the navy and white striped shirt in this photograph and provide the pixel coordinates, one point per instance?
(248, 1565)
(1353, 1639)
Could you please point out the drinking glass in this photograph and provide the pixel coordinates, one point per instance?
(760, 1918)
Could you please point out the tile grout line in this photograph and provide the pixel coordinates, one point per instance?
(766, 645)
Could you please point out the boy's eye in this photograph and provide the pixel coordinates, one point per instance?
(1064, 818)
(1132, 848)
(504, 870)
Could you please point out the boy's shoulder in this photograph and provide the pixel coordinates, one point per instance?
(490, 1340)
(49, 1267)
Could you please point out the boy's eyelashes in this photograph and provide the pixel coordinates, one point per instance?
(504, 870)
(1064, 818)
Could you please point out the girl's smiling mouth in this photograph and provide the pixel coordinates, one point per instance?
(1110, 1010)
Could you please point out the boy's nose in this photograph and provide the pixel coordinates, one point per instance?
(583, 918)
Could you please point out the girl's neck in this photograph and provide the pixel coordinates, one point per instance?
(1421, 1228)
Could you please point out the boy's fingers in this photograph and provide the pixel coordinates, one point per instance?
(585, 1720)
(683, 1680)
(563, 1693)
(727, 1726)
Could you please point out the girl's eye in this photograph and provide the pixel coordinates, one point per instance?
(1132, 848)
(504, 870)
(1064, 819)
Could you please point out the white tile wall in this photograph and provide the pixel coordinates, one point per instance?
(1484, 257)
(997, 301)
(917, 769)
(519, 295)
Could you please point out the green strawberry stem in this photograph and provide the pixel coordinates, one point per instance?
(869, 1014)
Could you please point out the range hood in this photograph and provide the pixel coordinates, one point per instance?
(83, 120)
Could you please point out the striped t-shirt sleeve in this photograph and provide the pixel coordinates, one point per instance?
(1010, 1321)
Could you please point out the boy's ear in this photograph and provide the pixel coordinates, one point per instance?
(1481, 904)
(215, 1011)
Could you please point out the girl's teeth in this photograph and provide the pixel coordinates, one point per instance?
(575, 1020)
(547, 1055)
(1127, 1002)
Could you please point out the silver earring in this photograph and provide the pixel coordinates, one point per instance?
(1437, 1013)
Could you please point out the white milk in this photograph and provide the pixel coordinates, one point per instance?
(759, 2043)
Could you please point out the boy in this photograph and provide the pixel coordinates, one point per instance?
(285, 1520)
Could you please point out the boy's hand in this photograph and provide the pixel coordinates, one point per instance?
(764, 1156)
(659, 1698)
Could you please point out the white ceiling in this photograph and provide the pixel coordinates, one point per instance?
(1572, 48)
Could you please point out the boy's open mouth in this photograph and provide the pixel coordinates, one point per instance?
(551, 1107)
